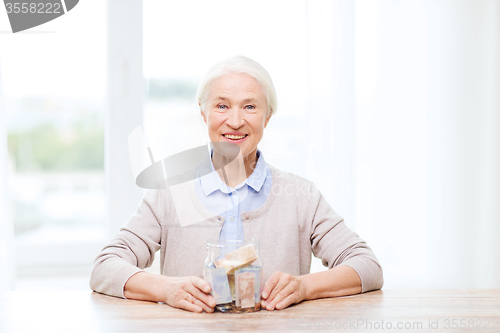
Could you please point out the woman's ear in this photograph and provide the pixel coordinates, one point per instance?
(202, 114)
(267, 120)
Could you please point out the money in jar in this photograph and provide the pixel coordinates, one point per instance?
(234, 270)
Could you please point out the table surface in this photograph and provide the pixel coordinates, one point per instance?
(462, 310)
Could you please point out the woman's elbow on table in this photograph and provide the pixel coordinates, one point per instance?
(110, 273)
(378, 278)
(371, 275)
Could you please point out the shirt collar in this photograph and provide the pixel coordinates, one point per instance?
(258, 176)
(212, 182)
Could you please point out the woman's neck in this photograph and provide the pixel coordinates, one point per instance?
(236, 171)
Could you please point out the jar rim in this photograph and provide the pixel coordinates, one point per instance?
(230, 242)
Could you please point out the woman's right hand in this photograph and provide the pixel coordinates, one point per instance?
(189, 293)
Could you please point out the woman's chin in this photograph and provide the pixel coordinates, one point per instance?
(227, 149)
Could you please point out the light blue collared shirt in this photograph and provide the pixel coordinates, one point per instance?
(220, 199)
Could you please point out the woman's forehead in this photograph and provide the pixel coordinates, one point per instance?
(234, 85)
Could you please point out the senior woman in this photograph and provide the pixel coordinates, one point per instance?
(285, 212)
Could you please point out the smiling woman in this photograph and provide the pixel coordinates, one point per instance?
(286, 213)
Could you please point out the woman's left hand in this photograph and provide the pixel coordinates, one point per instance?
(282, 290)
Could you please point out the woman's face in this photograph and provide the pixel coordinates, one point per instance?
(236, 111)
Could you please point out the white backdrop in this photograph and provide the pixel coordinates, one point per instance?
(400, 133)
(427, 148)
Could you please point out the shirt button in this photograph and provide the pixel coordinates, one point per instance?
(247, 216)
(232, 219)
(234, 192)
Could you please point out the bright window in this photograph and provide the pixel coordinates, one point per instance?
(54, 79)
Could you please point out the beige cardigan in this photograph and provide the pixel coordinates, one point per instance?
(294, 220)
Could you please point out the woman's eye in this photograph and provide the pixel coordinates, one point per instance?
(220, 106)
(250, 107)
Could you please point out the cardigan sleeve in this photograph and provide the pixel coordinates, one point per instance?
(132, 249)
(335, 244)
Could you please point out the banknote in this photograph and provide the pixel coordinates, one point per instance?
(245, 289)
(244, 254)
(238, 258)
(220, 286)
(258, 278)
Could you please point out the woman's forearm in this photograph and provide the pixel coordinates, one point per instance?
(146, 286)
(339, 281)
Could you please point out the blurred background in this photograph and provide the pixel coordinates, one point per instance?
(391, 107)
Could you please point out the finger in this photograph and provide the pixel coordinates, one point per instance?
(284, 298)
(201, 284)
(282, 283)
(202, 305)
(184, 304)
(206, 302)
(289, 300)
(270, 284)
(206, 299)
(271, 304)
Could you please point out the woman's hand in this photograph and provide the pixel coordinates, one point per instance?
(282, 290)
(189, 293)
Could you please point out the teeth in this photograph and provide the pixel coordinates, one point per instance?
(234, 137)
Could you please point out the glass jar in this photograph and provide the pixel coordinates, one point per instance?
(234, 270)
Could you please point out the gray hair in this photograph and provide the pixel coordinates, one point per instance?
(244, 65)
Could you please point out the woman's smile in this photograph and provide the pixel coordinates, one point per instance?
(234, 137)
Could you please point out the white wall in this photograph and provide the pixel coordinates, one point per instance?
(427, 149)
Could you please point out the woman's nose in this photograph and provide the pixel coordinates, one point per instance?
(235, 118)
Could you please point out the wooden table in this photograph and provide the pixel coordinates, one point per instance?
(410, 310)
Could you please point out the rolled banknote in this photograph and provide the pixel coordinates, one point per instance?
(245, 253)
(238, 258)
